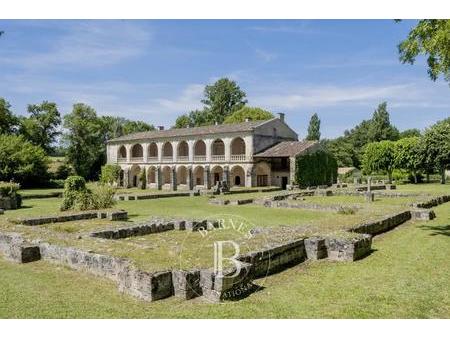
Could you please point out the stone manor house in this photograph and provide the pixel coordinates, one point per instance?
(247, 154)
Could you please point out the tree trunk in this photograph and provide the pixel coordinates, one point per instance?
(390, 177)
(415, 177)
(443, 175)
(428, 177)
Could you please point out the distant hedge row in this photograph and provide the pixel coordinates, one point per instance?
(318, 168)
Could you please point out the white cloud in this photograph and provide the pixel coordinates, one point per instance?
(88, 44)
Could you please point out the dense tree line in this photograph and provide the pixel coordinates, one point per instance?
(417, 155)
(28, 140)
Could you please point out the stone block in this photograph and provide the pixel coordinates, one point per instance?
(119, 215)
(422, 214)
(145, 285)
(193, 225)
(180, 224)
(2, 211)
(348, 249)
(315, 248)
(25, 253)
(186, 284)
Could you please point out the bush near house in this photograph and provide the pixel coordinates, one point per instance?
(318, 168)
(109, 173)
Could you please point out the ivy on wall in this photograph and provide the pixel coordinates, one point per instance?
(317, 168)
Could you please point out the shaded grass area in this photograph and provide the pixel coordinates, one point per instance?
(405, 277)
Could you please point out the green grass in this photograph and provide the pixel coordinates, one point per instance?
(405, 277)
(426, 188)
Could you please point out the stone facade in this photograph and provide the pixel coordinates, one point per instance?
(197, 158)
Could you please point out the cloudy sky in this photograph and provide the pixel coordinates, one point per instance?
(155, 70)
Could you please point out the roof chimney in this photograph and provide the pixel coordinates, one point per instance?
(160, 127)
(281, 116)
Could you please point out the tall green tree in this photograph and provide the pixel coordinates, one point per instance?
(249, 113)
(436, 141)
(8, 121)
(409, 155)
(84, 137)
(223, 98)
(430, 38)
(183, 121)
(42, 126)
(380, 126)
(314, 128)
(22, 162)
(379, 157)
(118, 126)
(342, 150)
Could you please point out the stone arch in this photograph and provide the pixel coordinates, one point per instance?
(182, 175)
(165, 175)
(218, 147)
(122, 152)
(216, 174)
(237, 176)
(167, 150)
(183, 149)
(199, 175)
(262, 173)
(238, 146)
(137, 151)
(151, 175)
(200, 148)
(153, 150)
(135, 172)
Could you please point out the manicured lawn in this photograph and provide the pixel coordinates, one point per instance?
(405, 277)
(426, 188)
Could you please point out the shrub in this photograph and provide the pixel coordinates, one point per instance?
(78, 197)
(63, 171)
(103, 197)
(318, 168)
(22, 162)
(346, 211)
(7, 189)
(74, 188)
(109, 174)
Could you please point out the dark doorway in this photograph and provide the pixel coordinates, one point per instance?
(121, 175)
(216, 178)
(135, 181)
(284, 182)
(262, 180)
(237, 180)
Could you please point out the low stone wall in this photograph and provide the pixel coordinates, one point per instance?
(307, 206)
(376, 187)
(42, 195)
(385, 224)
(380, 193)
(219, 201)
(97, 264)
(276, 258)
(433, 202)
(15, 248)
(130, 197)
(155, 226)
(315, 248)
(116, 215)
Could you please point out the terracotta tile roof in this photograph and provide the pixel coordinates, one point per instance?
(287, 149)
(206, 130)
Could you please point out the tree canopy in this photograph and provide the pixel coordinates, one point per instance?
(379, 156)
(408, 154)
(8, 121)
(436, 141)
(42, 127)
(250, 113)
(430, 38)
(314, 128)
(220, 100)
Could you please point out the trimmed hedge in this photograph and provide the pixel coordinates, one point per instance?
(318, 168)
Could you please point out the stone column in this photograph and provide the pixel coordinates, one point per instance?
(126, 178)
(189, 179)
(145, 152)
(191, 151)
(208, 143)
(227, 142)
(206, 178)
(158, 178)
(226, 175)
(252, 175)
(128, 148)
(174, 151)
(173, 178)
